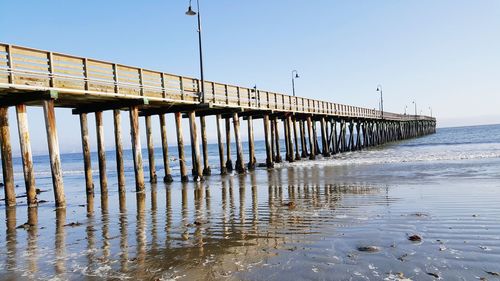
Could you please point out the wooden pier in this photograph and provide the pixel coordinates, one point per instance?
(31, 77)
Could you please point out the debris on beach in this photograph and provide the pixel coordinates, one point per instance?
(415, 238)
(442, 248)
(399, 276)
(435, 275)
(369, 249)
(402, 258)
(25, 226)
(485, 248)
(73, 224)
(290, 205)
(494, 273)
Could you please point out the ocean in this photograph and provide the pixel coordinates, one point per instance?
(348, 217)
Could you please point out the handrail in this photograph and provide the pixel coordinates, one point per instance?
(33, 68)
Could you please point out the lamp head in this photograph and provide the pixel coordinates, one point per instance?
(297, 75)
(190, 11)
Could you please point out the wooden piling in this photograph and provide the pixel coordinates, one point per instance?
(136, 148)
(55, 160)
(204, 144)
(240, 164)
(335, 144)
(229, 162)
(87, 165)
(303, 144)
(151, 150)
(180, 147)
(351, 136)
(324, 142)
(120, 168)
(290, 138)
(277, 141)
(315, 138)
(267, 132)
(295, 139)
(222, 163)
(26, 155)
(195, 148)
(164, 145)
(286, 129)
(6, 149)
(101, 152)
(312, 151)
(273, 153)
(251, 146)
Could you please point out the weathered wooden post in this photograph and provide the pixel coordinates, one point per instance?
(26, 155)
(315, 138)
(324, 142)
(229, 162)
(164, 145)
(55, 160)
(272, 139)
(251, 146)
(358, 135)
(180, 147)
(223, 169)
(87, 165)
(312, 151)
(195, 148)
(7, 169)
(101, 152)
(277, 141)
(335, 143)
(295, 138)
(136, 148)
(151, 150)
(204, 144)
(240, 164)
(288, 140)
(120, 169)
(351, 136)
(269, 156)
(303, 144)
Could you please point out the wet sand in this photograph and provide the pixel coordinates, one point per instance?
(294, 222)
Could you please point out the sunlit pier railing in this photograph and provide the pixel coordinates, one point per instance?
(32, 69)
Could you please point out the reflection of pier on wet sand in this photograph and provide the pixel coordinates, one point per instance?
(243, 224)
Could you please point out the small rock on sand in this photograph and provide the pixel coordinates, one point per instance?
(369, 249)
(415, 238)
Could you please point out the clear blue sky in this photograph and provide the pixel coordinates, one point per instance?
(444, 54)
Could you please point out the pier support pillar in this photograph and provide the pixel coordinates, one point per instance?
(324, 142)
(229, 162)
(6, 149)
(277, 141)
(164, 145)
(136, 148)
(151, 150)
(251, 145)
(223, 169)
(204, 145)
(118, 150)
(315, 138)
(55, 160)
(303, 144)
(180, 147)
(358, 136)
(240, 164)
(288, 139)
(335, 144)
(295, 139)
(101, 153)
(351, 136)
(87, 165)
(26, 155)
(267, 132)
(312, 151)
(195, 148)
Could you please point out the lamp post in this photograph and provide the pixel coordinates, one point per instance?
(430, 108)
(379, 89)
(295, 74)
(190, 12)
(406, 107)
(415, 107)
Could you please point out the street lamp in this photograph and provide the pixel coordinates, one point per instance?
(295, 74)
(379, 89)
(406, 107)
(415, 107)
(190, 12)
(430, 108)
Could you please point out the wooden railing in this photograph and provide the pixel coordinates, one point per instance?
(27, 68)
